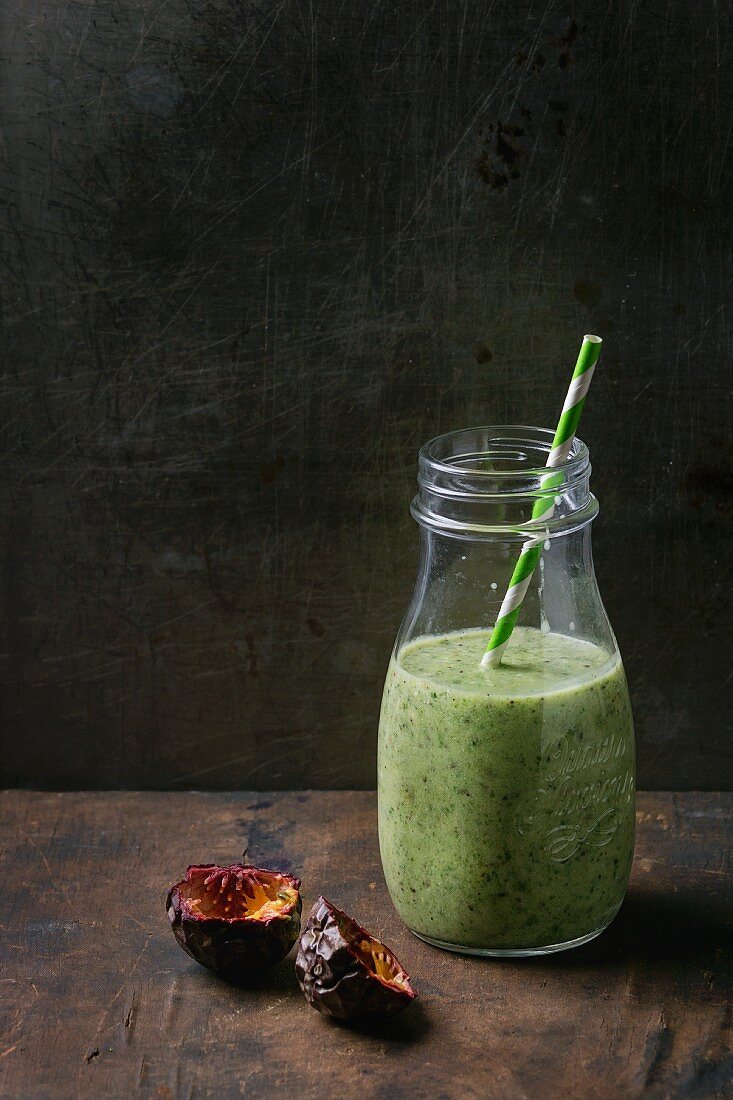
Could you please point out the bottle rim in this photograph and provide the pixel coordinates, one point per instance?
(464, 475)
(506, 433)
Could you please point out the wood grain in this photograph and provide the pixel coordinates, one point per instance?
(98, 1000)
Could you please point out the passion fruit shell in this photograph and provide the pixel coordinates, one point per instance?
(237, 921)
(344, 971)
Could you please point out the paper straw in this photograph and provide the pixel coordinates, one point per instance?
(545, 506)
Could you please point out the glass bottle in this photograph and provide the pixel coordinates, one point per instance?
(506, 795)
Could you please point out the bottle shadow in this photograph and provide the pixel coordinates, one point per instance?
(660, 927)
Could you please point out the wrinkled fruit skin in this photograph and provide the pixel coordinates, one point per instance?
(236, 949)
(335, 975)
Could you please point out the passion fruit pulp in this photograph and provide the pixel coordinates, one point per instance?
(237, 921)
(344, 971)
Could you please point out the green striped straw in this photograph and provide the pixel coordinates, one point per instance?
(545, 506)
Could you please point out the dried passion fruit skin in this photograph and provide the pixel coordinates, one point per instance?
(237, 921)
(345, 972)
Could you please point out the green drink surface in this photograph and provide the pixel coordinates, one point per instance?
(506, 795)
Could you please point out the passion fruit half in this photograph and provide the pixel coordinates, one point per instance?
(237, 921)
(344, 971)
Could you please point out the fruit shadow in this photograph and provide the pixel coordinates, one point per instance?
(279, 981)
(404, 1027)
(659, 927)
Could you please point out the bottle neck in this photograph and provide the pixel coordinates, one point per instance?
(482, 494)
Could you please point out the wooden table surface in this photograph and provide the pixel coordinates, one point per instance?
(98, 1001)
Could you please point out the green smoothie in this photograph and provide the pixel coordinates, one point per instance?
(506, 795)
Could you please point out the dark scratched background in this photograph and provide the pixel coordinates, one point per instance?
(253, 254)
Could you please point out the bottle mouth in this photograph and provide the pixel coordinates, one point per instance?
(509, 453)
(490, 478)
